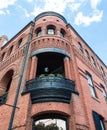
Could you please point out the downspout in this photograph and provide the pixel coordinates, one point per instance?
(21, 76)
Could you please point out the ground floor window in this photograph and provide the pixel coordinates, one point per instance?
(50, 122)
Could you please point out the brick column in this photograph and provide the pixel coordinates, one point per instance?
(67, 68)
(44, 31)
(33, 67)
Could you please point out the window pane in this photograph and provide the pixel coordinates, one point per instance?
(51, 31)
(89, 79)
(102, 124)
(39, 33)
(104, 92)
(90, 83)
(50, 124)
(92, 91)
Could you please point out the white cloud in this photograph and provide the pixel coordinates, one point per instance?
(6, 3)
(51, 5)
(87, 20)
(29, 0)
(75, 6)
(24, 10)
(2, 12)
(94, 3)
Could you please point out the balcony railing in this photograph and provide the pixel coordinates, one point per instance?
(50, 89)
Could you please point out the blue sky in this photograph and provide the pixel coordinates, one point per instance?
(88, 17)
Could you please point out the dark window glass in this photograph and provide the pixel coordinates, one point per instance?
(98, 121)
(62, 33)
(90, 83)
(19, 42)
(80, 47)
(51, 30)
(11, 49)
(3, 55)
(87, 54)
(39, 32)
(93, 61)
(102, 71)
(104, 92)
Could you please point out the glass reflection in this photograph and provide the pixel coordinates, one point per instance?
(50, 124)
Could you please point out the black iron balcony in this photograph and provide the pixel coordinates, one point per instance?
(3, 99)
(50, 89)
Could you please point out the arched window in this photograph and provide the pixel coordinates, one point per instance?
(51, 29)
(50, 121)
(62, 33)
(87, 54)
(5, 84)
(3, 55)
(93, 61)
(11, 49)
(80, 47)
(102, 71)
(20, 42)
(38, 32)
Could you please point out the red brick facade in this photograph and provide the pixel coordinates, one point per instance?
(49, 46)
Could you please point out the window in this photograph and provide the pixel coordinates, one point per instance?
(62, 33)
(90, 83)
(51, 30)
(38, 32)
(19, 42)
(104, 92)
(50, 122)
(11, 49)
(47, 66)
(98, 121)
(102, 71)
(87, 54)
(80, 47)
(3, 56)
(93, 61)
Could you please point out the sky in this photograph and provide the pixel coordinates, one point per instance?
(88, 18)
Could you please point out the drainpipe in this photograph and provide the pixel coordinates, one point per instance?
(21, 75)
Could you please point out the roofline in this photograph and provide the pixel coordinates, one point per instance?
(17, 34)
(50, 13)
(86, 44)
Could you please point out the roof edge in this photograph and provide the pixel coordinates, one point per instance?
(50, 13)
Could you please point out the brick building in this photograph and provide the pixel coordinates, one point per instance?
(51, 79)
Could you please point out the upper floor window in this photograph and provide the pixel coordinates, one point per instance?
(3, 55)
(91, 86)
(80, 47)
(51, 29)
(62, 33)
(11, 49)
(98, 121)
(102, 71)
(19, 42)
(87, 54)
(103, 90)
(38, 32)
(93, 61)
